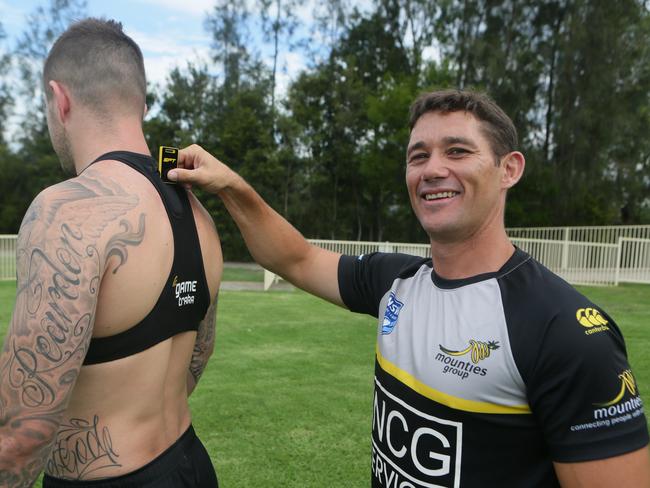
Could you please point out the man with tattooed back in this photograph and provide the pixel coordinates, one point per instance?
(116, 294)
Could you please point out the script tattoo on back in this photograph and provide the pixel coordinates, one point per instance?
(60, 258)
(81, 449)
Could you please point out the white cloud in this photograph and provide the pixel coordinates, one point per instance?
(192, 7)
(291, 63)
(162, 52)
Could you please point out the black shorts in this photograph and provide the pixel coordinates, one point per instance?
(185, 463)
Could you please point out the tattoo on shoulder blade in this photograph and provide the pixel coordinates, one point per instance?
(81, 450)
(117, 244)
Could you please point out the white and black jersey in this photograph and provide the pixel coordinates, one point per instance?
(485, 381)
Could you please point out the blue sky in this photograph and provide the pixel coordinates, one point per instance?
(169, 32)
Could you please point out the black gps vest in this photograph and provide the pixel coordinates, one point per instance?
(185, 297)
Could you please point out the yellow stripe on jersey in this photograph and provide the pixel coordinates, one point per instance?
(444, 398)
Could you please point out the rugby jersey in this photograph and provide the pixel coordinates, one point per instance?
(485, 381)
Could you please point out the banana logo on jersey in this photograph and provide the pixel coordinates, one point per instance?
(592, 320)
(618, 409)
(627, 384)
(480, 350)
(184, 291)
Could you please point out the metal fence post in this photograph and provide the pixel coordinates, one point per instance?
(565, 249)
(617, 271)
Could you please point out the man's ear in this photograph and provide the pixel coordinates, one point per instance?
(513, 169)
(146, 109)
(60, 100)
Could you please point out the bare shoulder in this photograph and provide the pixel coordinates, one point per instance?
(85, 201)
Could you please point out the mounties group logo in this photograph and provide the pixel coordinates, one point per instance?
(477, 350)
(391, 314)
(592, 320)
(625, 405)
(184, 291)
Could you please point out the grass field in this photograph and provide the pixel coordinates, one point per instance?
(242, 274)
(286, 399)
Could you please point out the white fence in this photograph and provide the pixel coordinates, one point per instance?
(7, 257)
(634, 260)
(602, 234)
(615, 255)
(578, 262)
(356, 248)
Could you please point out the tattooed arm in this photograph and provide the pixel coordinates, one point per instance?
(60, 261)
(203, 346)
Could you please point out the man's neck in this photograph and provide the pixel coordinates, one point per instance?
(97, 141)
(486, 252)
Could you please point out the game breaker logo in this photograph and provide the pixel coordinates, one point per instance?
(592, 320)
(184, 291)
(477, 351)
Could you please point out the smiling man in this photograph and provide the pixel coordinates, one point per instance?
(490, 370)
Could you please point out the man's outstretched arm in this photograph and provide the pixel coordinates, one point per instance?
(60, 257)
(272, 241)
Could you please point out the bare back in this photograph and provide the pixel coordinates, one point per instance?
(125, 412)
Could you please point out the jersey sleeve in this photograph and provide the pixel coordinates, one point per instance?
(363, 280)
(582, 389)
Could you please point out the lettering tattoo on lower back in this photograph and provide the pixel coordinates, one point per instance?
(63, 246)
(82, 450)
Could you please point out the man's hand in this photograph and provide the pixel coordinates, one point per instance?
(272, 241)
(197, 167)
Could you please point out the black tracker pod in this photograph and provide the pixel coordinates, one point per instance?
(167, 159)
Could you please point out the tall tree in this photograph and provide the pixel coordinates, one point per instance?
(6, 98)
(279, 21)
(34, 166)
(412, 22)
(44, 25)
(571, 74)
(351, 110)
(228, 26)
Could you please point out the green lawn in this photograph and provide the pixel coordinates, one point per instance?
(242, 274)
(286, 399)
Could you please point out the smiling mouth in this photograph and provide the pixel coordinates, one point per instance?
(440, 195)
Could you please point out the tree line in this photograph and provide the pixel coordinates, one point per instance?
(328, 152)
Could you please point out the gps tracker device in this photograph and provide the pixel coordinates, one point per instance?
(167, 159)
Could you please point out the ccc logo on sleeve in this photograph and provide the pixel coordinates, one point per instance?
(592, 320)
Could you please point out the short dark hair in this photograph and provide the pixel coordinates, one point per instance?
(496, 125)
(100, 65)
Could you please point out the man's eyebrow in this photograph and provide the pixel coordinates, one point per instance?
(417, 145)
(450, 140)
